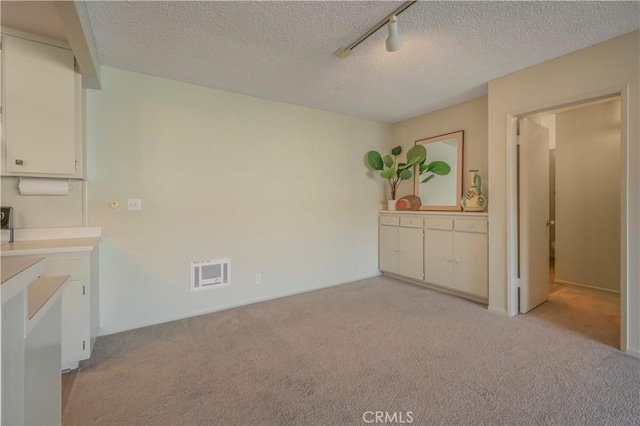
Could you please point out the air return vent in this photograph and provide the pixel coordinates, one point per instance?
(210, 274)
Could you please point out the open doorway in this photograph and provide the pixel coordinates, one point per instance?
(570, 217)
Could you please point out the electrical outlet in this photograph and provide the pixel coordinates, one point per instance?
(134, 204)
(258, 278)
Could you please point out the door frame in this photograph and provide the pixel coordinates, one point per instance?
(512, 196)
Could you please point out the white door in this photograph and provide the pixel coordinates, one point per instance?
(534, 215)
(438, 257)
(470, 271)
(411, 258)
(388, 249)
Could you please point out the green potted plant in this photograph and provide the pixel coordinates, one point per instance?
(395, 172)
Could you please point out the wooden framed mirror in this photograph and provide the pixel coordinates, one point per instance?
(442, 192)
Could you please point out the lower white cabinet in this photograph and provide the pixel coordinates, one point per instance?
(79, 302)
(450, 251)
(401, 251)
(458, 258)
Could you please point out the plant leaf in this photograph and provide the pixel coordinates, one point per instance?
(405, 174)
(423, 168)
(374, 159)
(388, 173)
(428, 178)
(388, 160)
(417, 152)
(397, 150)
(439, 168)
(402, 166)
(412, 162)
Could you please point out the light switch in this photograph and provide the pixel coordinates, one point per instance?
(134, 204)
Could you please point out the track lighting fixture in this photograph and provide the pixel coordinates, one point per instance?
(393, 42)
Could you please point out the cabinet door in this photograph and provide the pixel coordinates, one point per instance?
(39, 107)
(411, 259)
(471, 263)
(75, 322)
(438, 257)
(388, 249)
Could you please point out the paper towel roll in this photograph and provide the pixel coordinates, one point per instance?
(34, 186)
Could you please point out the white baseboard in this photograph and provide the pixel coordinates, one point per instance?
(230, 306)
(587, 286)
(70, 365)
(497, 311)
(633, 352)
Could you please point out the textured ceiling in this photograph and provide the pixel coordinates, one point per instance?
(283, 50)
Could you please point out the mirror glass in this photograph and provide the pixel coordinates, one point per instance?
(442, 192)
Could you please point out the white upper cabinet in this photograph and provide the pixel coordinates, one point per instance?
(41, 110)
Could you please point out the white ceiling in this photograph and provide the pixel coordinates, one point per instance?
(283, 50)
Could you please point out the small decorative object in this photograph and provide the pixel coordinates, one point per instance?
(474, 200)
(408, 202)
(395, 172)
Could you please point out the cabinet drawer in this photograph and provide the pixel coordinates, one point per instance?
(439, 223)
(411, 222)
(390, 220)
(467, 225)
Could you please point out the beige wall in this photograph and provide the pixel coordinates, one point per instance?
(588, 196)
(597, 70)
(44, 211)
(469, 116)
(280, 189)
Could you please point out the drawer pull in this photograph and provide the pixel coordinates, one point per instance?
(469, 225)
(449, 259)
(456, 261)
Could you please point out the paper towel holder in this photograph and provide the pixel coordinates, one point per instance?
(31, 179)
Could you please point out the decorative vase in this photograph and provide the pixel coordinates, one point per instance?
(474, 200)
(391, 204)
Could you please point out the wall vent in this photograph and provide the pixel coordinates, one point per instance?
(208, 274)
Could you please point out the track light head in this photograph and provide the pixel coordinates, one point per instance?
(394, 42)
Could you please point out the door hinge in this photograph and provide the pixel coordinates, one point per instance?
(84, 290)
(518, 299)
(84, 344)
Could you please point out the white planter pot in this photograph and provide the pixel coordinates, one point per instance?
(391, 205)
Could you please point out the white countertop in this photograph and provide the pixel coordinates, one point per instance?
(17, 274)
(33, 247)
(436, 212)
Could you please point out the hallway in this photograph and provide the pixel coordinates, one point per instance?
(590, 312)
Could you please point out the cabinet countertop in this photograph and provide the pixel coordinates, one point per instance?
(17, 274)
(42, 291)
(435, 213)
(9, 268)
(39, 247)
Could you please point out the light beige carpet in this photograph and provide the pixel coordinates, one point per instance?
(329, 356)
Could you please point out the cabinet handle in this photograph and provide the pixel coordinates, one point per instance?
(19, 162)
(457, 260)
(449, 259)
(76, 164)
(469, 225)
(84, 290)
(84, 345)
